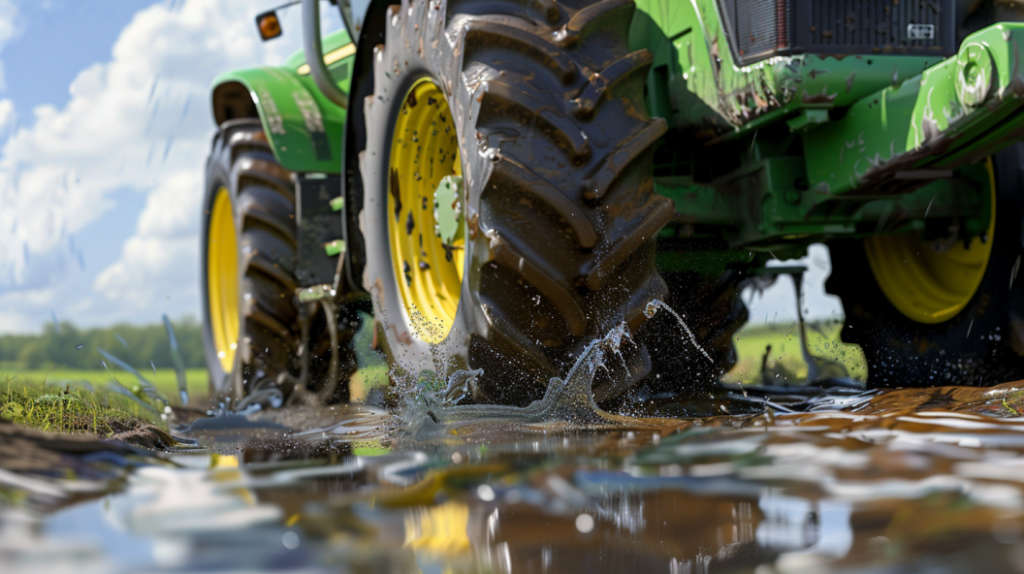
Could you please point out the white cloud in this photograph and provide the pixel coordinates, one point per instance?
(9, 28)
(6, 113)
(164, 250)
(138, 122)
(17, 309)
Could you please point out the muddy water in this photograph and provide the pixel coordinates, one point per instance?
(905, 480)
(783, 480)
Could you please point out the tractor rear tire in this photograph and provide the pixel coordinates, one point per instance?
(560, 209)
(981, 345)
(248, 335)
(251, 329)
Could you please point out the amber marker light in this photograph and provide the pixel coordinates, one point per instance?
(269, 25)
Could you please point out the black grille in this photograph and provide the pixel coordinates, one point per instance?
(762, 28)
(759, 28)
(867, 26)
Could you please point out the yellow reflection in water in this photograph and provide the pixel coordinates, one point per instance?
(440, 529)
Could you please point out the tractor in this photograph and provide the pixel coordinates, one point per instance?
(499, 182)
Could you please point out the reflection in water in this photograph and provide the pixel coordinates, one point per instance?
(802, 482)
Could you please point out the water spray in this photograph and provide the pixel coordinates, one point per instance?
(652, 308)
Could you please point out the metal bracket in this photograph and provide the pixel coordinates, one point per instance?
(315, 293)
(318, 217)
(807, 119)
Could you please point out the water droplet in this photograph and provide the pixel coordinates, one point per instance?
(485, 492)
(584, 523)
(290, 540)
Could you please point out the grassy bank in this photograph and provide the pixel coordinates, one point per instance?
(74, 407)
(95, 401)
(103, 402)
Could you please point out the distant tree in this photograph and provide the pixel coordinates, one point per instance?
(139, 346)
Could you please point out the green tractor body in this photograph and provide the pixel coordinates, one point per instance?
(786, 123)
(846, 136)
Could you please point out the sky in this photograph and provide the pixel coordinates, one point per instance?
(105, 124)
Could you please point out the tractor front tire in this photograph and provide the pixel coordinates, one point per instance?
(541, 105)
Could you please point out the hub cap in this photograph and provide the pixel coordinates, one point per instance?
(424, 150)
(222, 279)
(924, 285)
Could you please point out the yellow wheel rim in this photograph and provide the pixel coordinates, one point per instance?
(424, 150)
(222, 279)
(924, 285)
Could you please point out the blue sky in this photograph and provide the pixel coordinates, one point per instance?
(38, 70)
(104, 129)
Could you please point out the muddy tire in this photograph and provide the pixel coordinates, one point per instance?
(250, 203)
(556, 155)
(982, 345)
(262, 204)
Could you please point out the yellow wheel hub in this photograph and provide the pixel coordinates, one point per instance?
(222, 279)
(925, 285)
(424, 150)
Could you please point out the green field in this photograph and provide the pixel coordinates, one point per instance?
(165, 380)
(785, 356)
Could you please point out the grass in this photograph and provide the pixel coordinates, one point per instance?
(96, 401)
(823, 342)
(73, 407)
(165, 380)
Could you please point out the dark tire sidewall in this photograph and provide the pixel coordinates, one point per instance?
(217, 176)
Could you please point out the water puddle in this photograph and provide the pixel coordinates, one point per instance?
(781, 480)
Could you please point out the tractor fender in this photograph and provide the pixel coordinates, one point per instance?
(305, 130)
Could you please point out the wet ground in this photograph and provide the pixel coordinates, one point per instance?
(795, 479)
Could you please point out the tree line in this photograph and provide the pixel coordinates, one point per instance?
(64, 345)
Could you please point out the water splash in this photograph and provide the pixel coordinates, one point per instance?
(145, 388)
(461, 385)
(657, 304)
(117, 387)
(569, 402)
